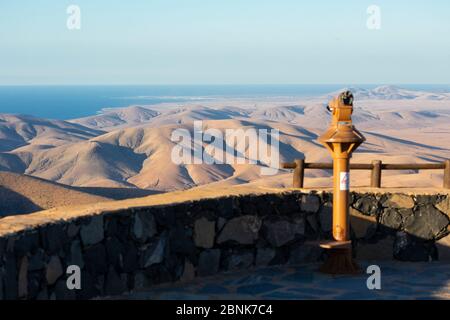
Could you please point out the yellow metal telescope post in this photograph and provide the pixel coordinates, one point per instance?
(341, 139)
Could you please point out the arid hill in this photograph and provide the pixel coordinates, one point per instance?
(24, 194)
(131, 148)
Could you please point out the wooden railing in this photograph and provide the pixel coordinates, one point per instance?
(300, 165)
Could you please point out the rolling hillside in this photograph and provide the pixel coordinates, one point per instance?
(131, 148)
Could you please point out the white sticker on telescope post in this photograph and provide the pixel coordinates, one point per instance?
(344, 181)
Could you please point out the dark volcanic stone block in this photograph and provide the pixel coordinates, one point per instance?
(75, 256)
(310, 203)
(54, 237)
(367, 204)
(264, 256)
(23, 278)
(26, 242)
(281, 256)
(289, 205)
(263, 206)
(165, 216)
(426, 223)
(239, 260)
(123, 227)
(115, 283)
(89, 286)
(405, 213)
(410, 248)
(279, 232)
(206, 204)
(243, 230)
(399, 201)
(181, 242)
(328, 197)
(2, 295)
(390, 218)
(37, 260)
(204, 233)
(164, 274)
(312, 223)
(143, 226)
(426, 199)
(175, 264)
(209, 262)
(153, 253)
(185, 213)
(62, 292)
(130, 257)
(3, 242)
(115, 251)
(95, 259)
(36, 280)
(248, 207)
(92, 232)
(54, 270)
(225, 207)
(305, 253)
(325, 216)
(10, 284)
(111, 227)
(73, 230)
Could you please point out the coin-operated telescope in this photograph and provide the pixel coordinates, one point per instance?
(341, 139)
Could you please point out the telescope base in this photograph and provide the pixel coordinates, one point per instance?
(340, 262)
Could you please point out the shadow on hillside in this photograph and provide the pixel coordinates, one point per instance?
(403, 141)
(117, 193)
(13, 203)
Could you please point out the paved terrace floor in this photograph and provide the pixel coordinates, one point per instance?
(399, 281)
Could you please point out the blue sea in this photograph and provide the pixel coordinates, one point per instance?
(69, 102)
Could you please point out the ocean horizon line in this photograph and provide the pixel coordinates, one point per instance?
(76, 101)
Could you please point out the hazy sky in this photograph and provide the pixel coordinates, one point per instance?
(223, 42)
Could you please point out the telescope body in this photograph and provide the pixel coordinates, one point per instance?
(341, 140)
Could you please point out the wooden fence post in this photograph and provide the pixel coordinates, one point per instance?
(447, 174)
(299, 173)
(375, 179)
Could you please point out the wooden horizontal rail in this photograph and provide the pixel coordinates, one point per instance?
(364, 166)
(413, 166)
(299, 166)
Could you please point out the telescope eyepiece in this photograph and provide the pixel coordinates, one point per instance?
(347, 98)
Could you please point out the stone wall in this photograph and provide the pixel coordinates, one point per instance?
(135, 248)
